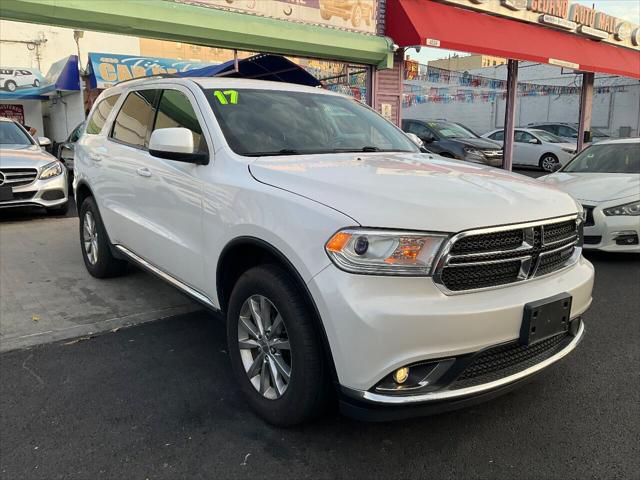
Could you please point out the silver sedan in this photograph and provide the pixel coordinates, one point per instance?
(29, 176)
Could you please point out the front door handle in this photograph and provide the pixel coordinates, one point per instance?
(144, 172)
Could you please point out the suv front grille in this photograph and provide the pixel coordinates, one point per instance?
(504, 360)
(18, 177)
(505, 255)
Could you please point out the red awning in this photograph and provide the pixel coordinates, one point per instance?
(412, 22)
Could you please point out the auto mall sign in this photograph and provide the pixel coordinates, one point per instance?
(563, 15)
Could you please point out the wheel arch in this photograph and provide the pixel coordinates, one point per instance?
(82, 191)
(243, 253)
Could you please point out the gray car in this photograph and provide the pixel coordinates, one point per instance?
(29, 176)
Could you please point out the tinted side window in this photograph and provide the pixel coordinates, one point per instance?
(567, 132)
(523, 137)
(497, 135)
(100, 114)
(134, 121)
(175, 110)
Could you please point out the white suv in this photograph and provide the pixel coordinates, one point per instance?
(344, 261)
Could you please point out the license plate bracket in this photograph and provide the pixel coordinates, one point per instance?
(545, 318)
(6, 193)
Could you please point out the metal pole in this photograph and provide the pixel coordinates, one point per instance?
(510, 114)
(586, 109)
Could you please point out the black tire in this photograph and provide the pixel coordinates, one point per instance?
(548, 161)
(59, 210)
(307, 392)
(36, 83)
(11, 86)
(106, 265)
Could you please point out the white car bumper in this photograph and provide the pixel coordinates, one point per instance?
(611, 234)
(377, 324)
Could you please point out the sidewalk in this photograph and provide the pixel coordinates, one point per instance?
(46, 294)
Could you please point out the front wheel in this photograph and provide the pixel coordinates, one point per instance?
(11, 86)
(36, 83)
(96, 248)
(275, 353)
(548, 162)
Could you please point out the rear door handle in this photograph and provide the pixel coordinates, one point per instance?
(144, 172)
(96, 158)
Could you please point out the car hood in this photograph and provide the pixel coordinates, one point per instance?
(414, 191)
(18, 156)
(595, 187)
(480, 143)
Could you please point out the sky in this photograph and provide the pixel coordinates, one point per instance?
(625, 9)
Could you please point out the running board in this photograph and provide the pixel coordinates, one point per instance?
(192, 292)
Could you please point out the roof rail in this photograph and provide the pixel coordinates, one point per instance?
(149, 77)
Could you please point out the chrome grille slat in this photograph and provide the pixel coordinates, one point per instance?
(470, 260)
(19, 177)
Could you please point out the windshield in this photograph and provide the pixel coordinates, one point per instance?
(12, 134)
(271, 122)
(451, 130)
(611, 158)
(548, 137)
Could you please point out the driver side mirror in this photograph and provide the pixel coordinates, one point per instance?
(415, 139)
(176, 144)
(427, 139)
(66, 152)
(535, 141)
(44, 141)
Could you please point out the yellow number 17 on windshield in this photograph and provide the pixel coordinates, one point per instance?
(226, 97)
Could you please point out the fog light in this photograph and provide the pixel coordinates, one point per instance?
(401, 375)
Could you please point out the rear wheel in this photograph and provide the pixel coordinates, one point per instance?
(96, 248)
(548, 162)
(10, 85)
(274, 349)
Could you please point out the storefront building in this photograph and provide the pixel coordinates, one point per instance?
(554, 32)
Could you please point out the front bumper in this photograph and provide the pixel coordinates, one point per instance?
(377, 324)
(607, 232)
(48, 193)
(377, 407)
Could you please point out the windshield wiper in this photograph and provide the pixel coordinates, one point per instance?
(284, 151)
(366, 148)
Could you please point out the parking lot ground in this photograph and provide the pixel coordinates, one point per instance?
(47, 294)
(158, 401)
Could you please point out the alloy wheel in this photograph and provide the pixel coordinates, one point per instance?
(264, 345)
(90, 238)
(548, 163)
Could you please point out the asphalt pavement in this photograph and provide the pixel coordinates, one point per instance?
(157, 401)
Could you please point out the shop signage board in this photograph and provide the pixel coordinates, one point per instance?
(14, 112)
(107, 69)
(22, 82)
(563, 15)
(354, 15)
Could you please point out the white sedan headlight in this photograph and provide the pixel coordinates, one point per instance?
(50, 170)
(632, 208)
(384, 252)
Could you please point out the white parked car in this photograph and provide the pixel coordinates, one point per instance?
(29, 176)
(537, 148)
(605, 178)
(345, 261)
(13, 78)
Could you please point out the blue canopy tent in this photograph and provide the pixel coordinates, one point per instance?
(263, 67)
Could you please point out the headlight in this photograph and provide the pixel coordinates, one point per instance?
(52, 169)
(632, 208)
(384, 252)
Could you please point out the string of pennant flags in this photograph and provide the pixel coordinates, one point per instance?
(494, 88)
